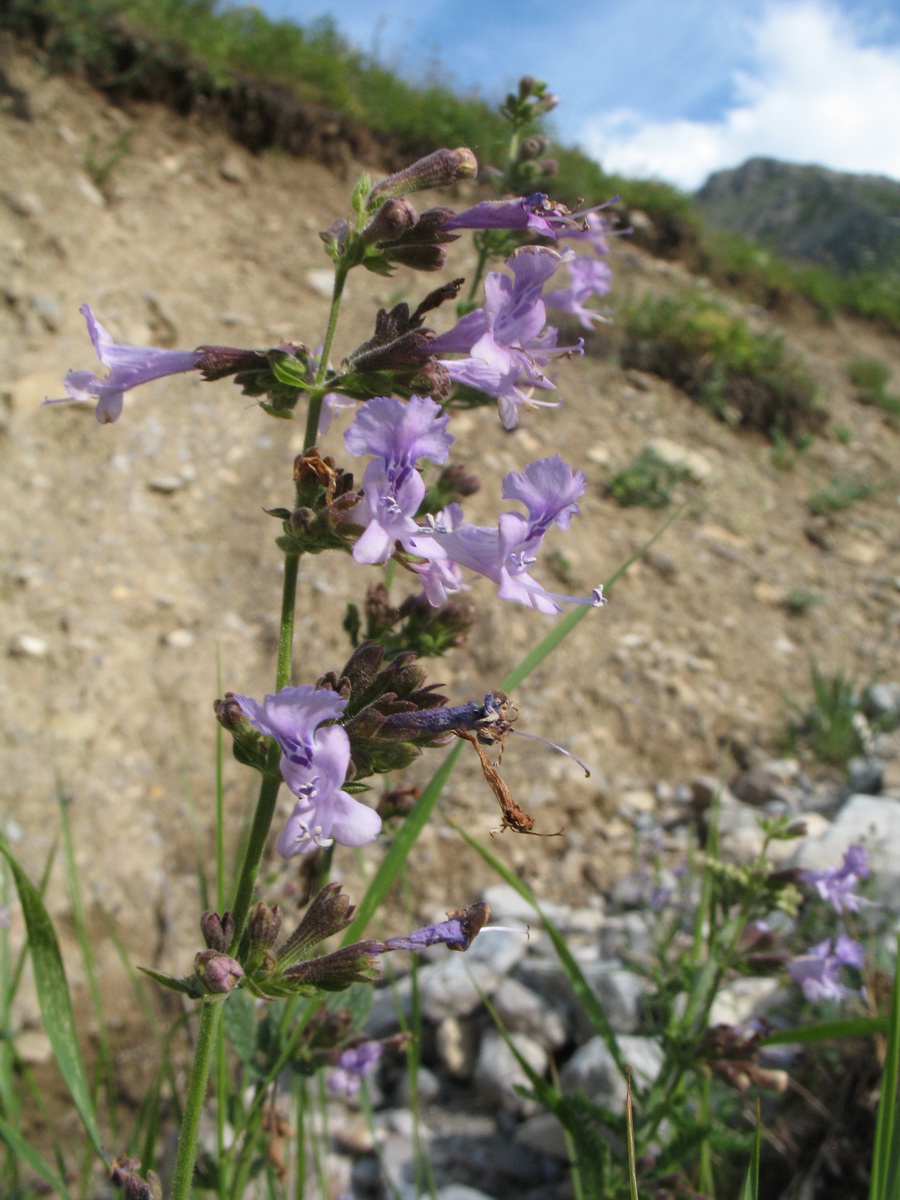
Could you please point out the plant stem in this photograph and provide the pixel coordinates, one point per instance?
(210, 1017)
(317, 391)
(271, 780)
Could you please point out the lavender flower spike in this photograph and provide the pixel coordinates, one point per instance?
(835, 884)
(549, 489)
(352, 1065)
(314, 762)
(397, 434)
(129, 367)
(508, 341)
(817, 970)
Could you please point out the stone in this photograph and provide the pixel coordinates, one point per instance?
(593, 1071)
(544, 1133)
(25, 204)
(454, 986)
(456, 1043)
(883, 700)
(522, 1010)
(180, 639)
(865, 774)
(695, 466)
(27, 645)
(742, 999)
(498, 1071)
(233, 168)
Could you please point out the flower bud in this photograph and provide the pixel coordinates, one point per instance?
(394, 218)
(123, 1173)
(418, 257)
(217, 930)
(264, 926)
(219, 973)
(439, 169)
(532, 147)
(328, 913)
(336, 971)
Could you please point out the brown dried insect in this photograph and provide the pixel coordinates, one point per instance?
(514, 817)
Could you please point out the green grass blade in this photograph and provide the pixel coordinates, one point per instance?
(828, 1031)
(887, 1135)
(750, 1187)
(105, 1068)
(393, 861)
(573, 972)
(563, 628)
(30, 1157)
(53, 994)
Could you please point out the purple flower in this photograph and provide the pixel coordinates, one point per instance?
(836, 884)
(508, 340)
(589, 277)
(817, 971)
(548, 488)
(594, 231)
(352, 1065)
(314, 765)
(129, 366)
(397, 434)
(457, 932)
(528, 214)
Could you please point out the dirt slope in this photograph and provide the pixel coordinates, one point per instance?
(138, 561)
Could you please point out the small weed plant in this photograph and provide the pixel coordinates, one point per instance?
(840, 493)
(744, 377)
(648, 482)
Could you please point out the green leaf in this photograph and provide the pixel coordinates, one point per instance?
(580, 986)
(887, 1134)
(750, 1188)
(188, 987)
(53, 996)
(239, 1021)
(827, 1031)
(28, 1155)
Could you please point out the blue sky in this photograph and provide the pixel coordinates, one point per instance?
(670, 88)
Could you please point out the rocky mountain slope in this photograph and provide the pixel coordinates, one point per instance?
(139, 576)
(836, 219)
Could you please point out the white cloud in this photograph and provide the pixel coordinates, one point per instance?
(818, 93)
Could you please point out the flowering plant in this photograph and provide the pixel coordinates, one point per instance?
(401, 509)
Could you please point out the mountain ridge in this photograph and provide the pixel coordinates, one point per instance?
(842, 220)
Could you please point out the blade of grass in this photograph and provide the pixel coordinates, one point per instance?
(53, 995)
(629, 1142)
(750, 1188)
(28, 1155)
(885, 1152)
(416, 821)
(828, 1031)
(573, 972)
(105, 1068)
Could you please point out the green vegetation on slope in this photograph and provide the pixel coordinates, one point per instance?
(177, 50)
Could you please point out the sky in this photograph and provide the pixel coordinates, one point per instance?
(671, 89)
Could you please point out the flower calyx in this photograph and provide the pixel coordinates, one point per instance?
(374, 692)
(323, 497)
(414, 625)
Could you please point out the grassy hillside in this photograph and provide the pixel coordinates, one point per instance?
(277, 83)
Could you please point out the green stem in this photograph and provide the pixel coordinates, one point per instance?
(271, 780)
(210, 1017)
(317, 391)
